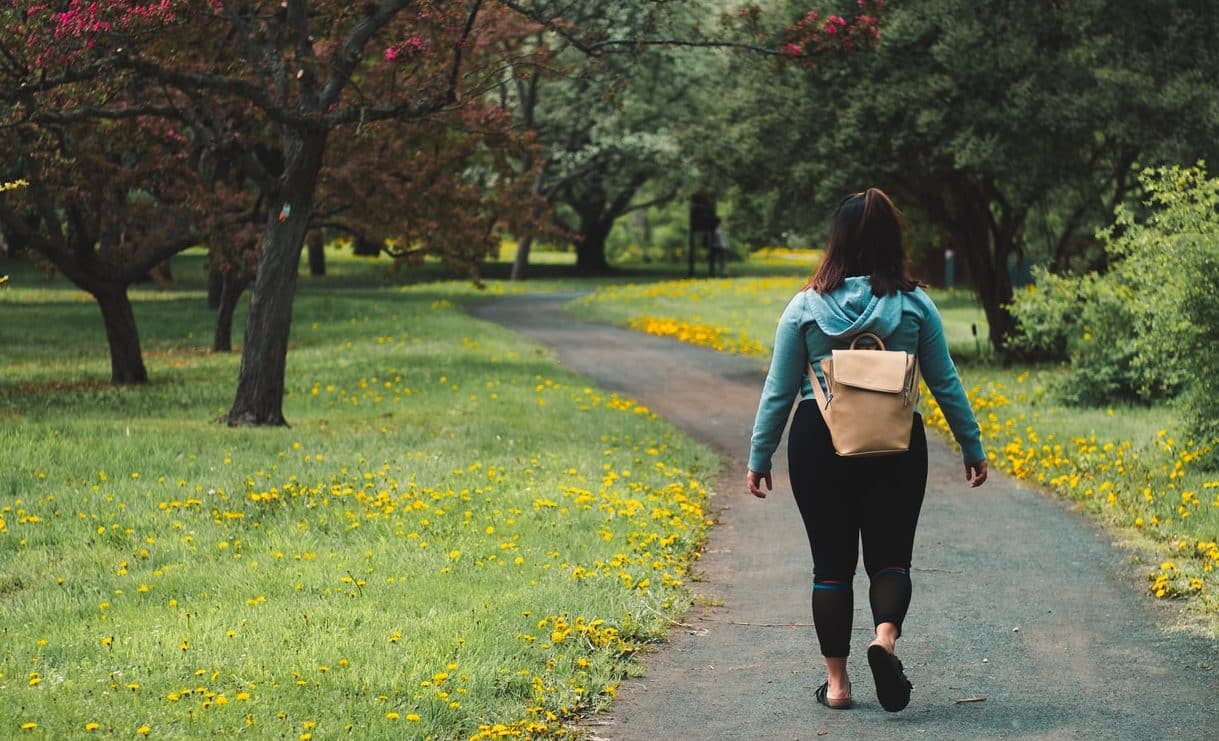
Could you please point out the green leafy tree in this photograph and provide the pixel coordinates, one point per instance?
(623, 121)
(1011, 128)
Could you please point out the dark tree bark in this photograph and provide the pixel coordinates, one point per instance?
(521, 261)
(986, 244)
(260, 383)
(126, 360)
(590, 250)
(317, 253)
(232, 286)
(215, 285)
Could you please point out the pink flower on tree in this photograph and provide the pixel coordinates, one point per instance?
(408, 48)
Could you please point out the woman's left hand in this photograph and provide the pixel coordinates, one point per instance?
(754, 480)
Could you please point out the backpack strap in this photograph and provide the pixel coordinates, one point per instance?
(823, 399)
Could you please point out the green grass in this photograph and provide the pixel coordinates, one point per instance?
(434, 537)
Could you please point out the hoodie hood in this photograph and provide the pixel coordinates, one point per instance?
(851, 308)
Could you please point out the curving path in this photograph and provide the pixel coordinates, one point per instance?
(1018, 599)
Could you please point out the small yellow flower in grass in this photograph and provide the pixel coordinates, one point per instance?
(242, 696)
(344, 662)
(35, 679)
(413, 717)
(29, 726)
(392, 716)
(144, 730)
(172, 697)
(305, 736)
(134, 686)
(309, 725)
(92, 726)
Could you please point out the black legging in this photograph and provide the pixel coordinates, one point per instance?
(841, 499)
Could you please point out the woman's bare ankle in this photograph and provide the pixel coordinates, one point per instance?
(836, 673)
(886, 637)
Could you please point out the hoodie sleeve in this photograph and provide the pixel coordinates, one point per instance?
(787, 368)
(945, 383)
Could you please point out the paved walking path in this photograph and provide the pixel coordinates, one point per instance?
(1017, 598)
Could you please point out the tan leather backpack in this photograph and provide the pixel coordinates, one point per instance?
(872, 393)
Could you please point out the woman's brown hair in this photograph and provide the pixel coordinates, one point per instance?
(865, 239)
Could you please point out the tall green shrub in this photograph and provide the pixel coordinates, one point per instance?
(1144, 329)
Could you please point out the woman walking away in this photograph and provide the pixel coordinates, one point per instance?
(861, 287)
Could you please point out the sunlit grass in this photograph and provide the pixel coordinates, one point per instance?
(455, 537)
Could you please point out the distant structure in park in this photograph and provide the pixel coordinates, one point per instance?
(703, 222)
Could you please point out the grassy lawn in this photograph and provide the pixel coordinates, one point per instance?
(454, 539)
(1126, 465)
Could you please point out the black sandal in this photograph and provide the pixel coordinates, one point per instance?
(892, 687)
(837, 703)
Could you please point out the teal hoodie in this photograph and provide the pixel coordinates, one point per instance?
(814, 324)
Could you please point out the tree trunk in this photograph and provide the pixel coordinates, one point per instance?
(264, 357)
(215, 284)
(232, 288)
(590, 250)
(987, 255)
(521, 260)
(317, 253)
(126, 359)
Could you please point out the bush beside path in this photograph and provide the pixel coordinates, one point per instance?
(1019, 599)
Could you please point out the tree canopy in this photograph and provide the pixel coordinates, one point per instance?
(1008, 129)
(436, 128)
(380, 118)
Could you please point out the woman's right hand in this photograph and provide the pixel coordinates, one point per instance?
(975, 473)
(754, 480)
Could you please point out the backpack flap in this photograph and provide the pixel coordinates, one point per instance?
(886, 371)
